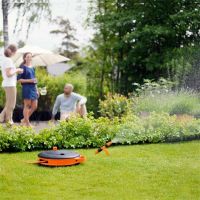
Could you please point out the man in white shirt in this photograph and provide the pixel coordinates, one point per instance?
(69, 103)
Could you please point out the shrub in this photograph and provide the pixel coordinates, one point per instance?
(181, 108)
(151, 87)
(157, 128)
(90, 132)
(114, 106)
(16, 139)
(172, 102)
(77, 133)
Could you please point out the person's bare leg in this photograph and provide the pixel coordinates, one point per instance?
(26, 112)
(33, 108)
(11, 93)
(3, 115)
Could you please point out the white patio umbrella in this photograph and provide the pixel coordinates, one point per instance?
(41, 57)
(59, 68)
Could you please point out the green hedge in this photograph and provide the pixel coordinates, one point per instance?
(86, 133)
(77, 133)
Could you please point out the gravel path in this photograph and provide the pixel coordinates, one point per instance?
(38, 126)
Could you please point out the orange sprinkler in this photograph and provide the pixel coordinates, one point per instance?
(59, 158)
(104, 148)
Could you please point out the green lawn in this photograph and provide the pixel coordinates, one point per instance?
(150, 172)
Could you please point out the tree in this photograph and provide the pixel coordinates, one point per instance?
(1, 40)
(5, 8)
(139, 37)
(32, 11)
(68, 46)
(21, 44)
(102, 42)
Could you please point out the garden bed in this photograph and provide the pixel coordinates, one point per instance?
(91, 132)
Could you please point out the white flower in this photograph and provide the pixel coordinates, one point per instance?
(189, 33)
(134, 21)
(133, 29)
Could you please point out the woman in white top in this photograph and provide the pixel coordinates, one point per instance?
(9, 72)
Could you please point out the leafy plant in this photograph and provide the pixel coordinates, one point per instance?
(157, 128)
(90, 132)
(77, 133)
(151, 87)
(172, 102)
(114, 106)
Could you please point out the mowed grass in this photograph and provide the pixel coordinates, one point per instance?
(156, 171)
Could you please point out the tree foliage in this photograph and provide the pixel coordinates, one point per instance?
(68, 44)
(136, 39)
(28, 12)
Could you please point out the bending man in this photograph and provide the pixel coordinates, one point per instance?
(69, 103)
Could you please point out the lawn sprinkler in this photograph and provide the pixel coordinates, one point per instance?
(104, 148)
(59, 158)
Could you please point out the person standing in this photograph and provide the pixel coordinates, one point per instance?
(29, 88)
(9, 83)
(69, 103)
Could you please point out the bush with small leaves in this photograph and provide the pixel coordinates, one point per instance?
(114, 106)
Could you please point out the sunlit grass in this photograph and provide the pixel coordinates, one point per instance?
(157, 171)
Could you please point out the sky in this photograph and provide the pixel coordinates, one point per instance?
(75, 10)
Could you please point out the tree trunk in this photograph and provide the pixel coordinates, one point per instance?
(120, 56)
(102, 78)
(5, 8)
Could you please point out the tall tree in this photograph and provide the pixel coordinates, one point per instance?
(32, 10)
(1, 39)
(68, 46)
(142, 36)
(102, 43)
(5, 8)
